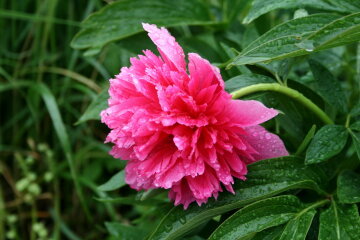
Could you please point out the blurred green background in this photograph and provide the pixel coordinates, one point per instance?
(45, 86)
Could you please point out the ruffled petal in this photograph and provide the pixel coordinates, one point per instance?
(169, 49)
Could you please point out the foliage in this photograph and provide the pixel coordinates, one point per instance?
(57, 179)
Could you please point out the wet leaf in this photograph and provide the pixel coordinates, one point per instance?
(327, 142)
(298, 227)
(266, 178)
(258, 216)
(339, 222)
(348, 187)
(123, 18)
(258, 7)
(301, 36)
(328, 86)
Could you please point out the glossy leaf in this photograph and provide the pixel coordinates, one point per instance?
(266, 178)
(257, 217)
(115, 182)
(327, 142)
(339, 222)
(328, 86)
(259, 8)
(298, 227)
(95, 107)
(123, 18)
(348, 187)
(301, 36)
(346, 5)
(356, 142)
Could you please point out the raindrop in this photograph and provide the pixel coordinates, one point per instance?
(307, 45)
(182, 219)
(168, 228)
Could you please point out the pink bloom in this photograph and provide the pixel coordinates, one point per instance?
(179, 129)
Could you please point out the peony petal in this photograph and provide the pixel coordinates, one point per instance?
(169, 49)
(267, 145)
(250, 113)
(202, 75)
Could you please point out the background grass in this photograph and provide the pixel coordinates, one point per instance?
(49, 167)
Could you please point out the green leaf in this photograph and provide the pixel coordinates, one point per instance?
(115, 182)
(125, 232)
(327, 142)
(245, 80)
(346, 5)
(328, 86)
(348, 187)
(339, 222)
(95, 107)
(298, 227)
(257, 217)
(123, 18)
(269, 234)
(259, 8)
(301, 36)
(355, 111)
(355, 126)
(306, 140)
(356, 141)
(265, 178)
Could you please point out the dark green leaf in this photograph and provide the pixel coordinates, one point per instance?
(245, 80)
(355, 111)
(356, 141)
(265, 178)
(124, 232)
(115, 182)
(269, 234)
(123, 18)
(328, 86)
(259, 8)
(348, 189)
(340, 222)
(258, 216)
(94, 109)
(355, 126)
(327, 142)
(298, 227)
(300, 37)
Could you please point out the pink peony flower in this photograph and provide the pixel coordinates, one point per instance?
(179, 129)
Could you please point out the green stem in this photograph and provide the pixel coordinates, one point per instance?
(347, 123)
(286, 91)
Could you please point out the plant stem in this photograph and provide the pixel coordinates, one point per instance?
(275, 87)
